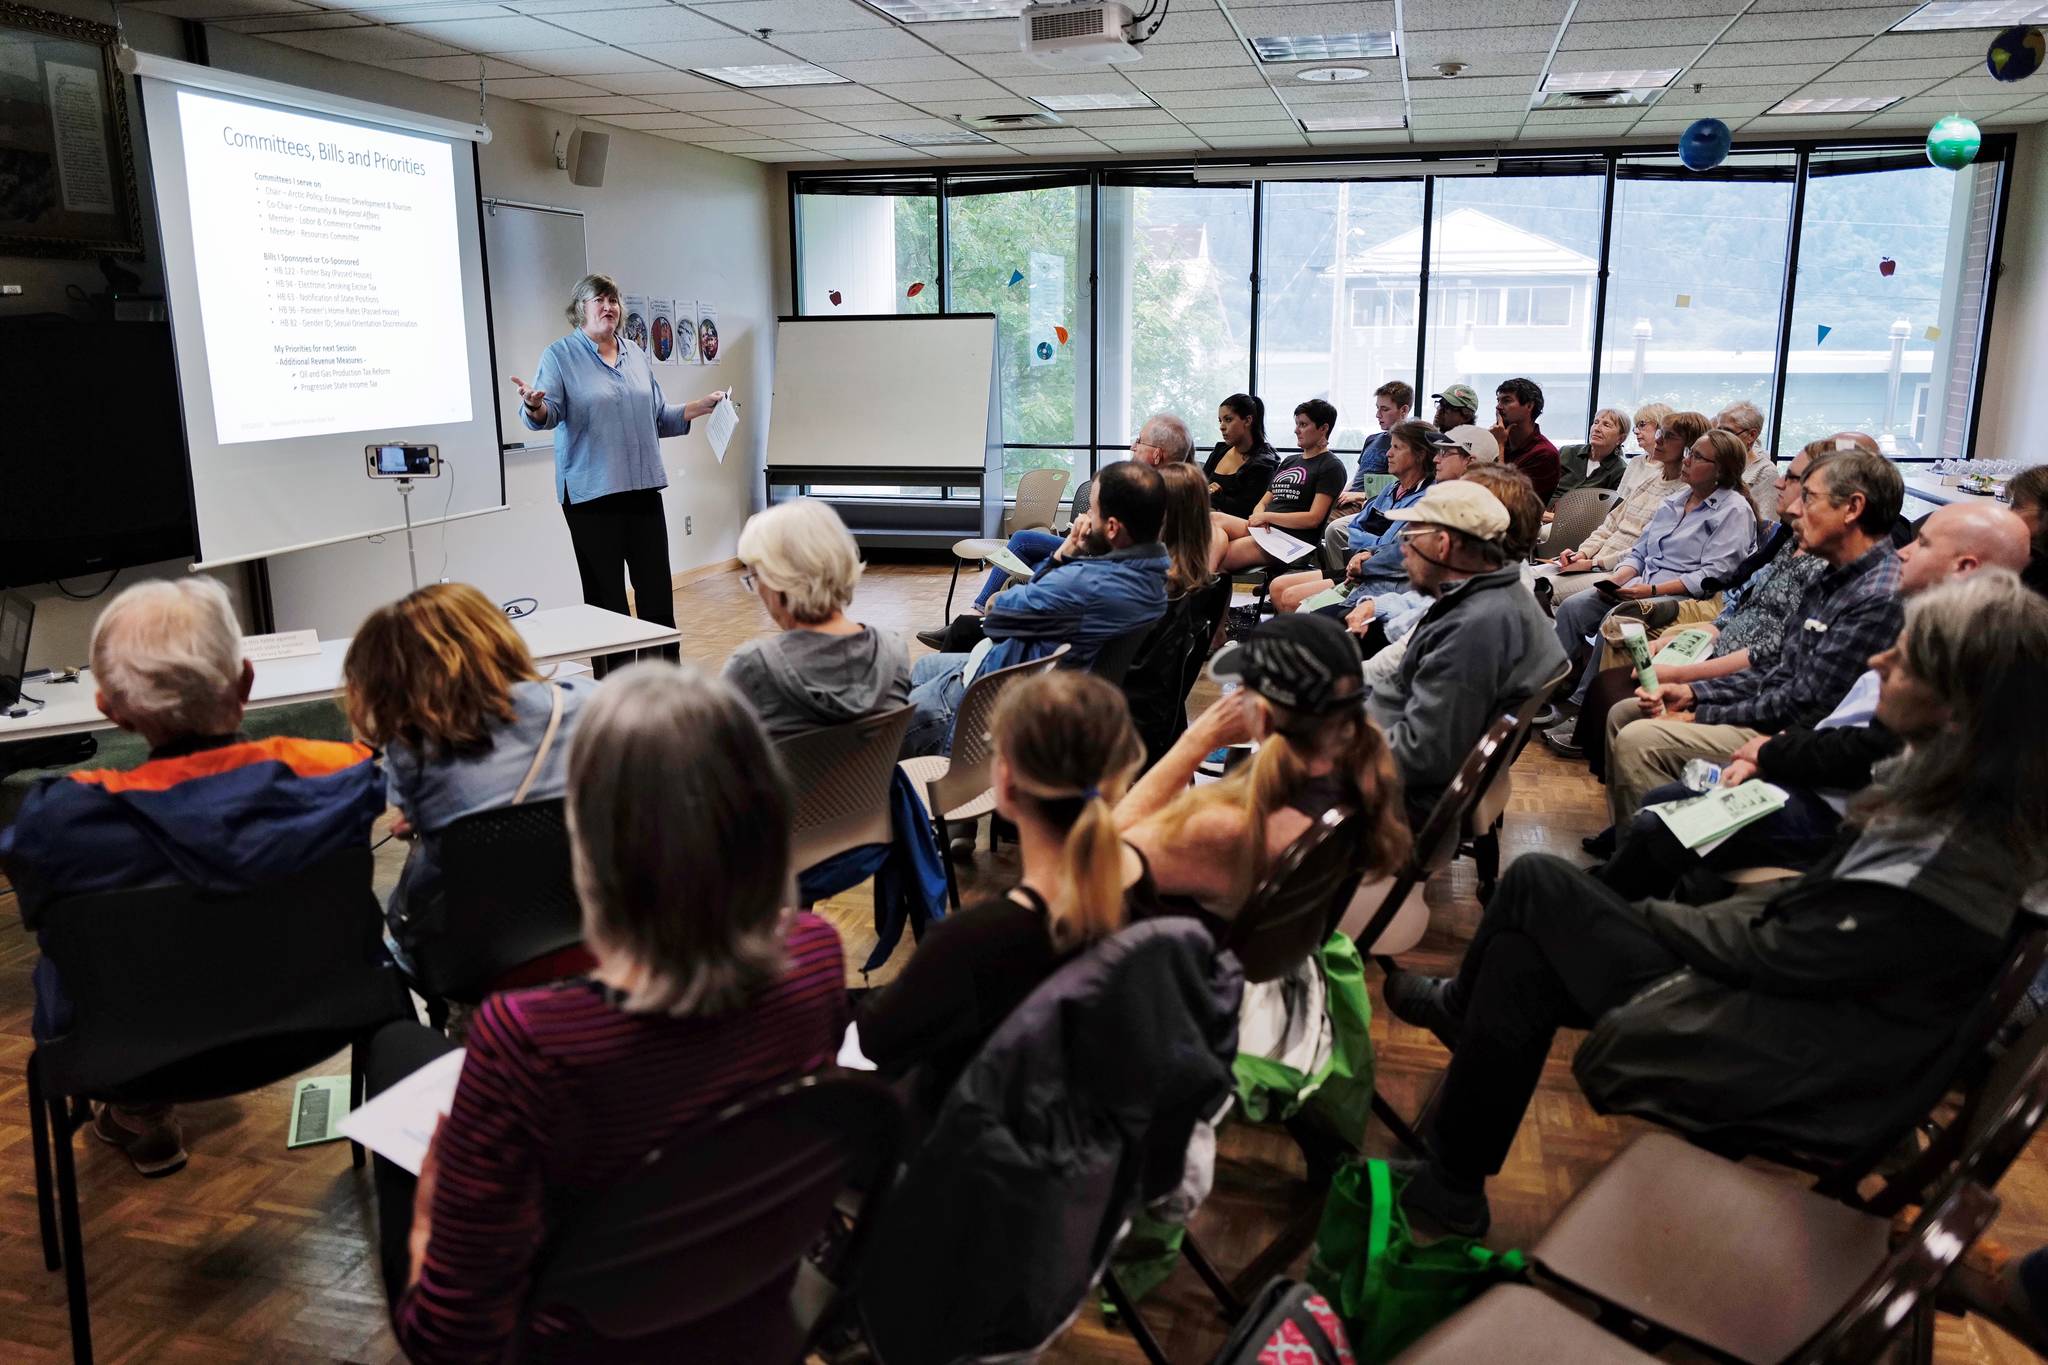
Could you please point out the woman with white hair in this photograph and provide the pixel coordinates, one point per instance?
(823, 668)
(1745, 421)
(599, 396)
(1597, 461)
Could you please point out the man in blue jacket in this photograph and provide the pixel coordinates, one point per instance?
(209, 809)
(1106, 580)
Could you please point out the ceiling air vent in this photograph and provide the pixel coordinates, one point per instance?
(1595, 99)
(1010, 123)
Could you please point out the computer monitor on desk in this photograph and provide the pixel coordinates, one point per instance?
(17, 614)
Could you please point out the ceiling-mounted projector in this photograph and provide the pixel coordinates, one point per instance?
(1085, 34)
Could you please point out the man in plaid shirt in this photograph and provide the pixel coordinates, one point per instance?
(1848, 502)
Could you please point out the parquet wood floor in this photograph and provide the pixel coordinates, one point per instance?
(255, 1253)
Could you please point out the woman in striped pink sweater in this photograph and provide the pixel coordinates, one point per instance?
(705, 990)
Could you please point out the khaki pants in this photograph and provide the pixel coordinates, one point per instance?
(1337, 545)
(1691, 612)
(1644, 753)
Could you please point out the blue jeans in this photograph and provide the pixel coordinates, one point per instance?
(1577, 617)
(936, 686)
(1029, 546)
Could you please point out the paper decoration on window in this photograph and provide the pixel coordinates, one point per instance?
(1061, 333)
(1823, 329)
(1046, 306)
(1685, 300)
(1933, 334)
(1886, 265)
(914, 290)
(1016, 278)
(1043, 350)
(834, 296)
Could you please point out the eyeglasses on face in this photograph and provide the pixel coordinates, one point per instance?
(747, 582)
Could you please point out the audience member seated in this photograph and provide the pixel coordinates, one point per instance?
(1208, 846)
(1597, 462)
(705, 992)
(1064, 753)
(1391, 403)
(1457, 406)
(1516, 406)
(441, 683)
(1745, 422)
(1455, 454)
(1163, 440)
(1758, 597)
(1302, 492)
(1156, 684)
(2028, 491)
(1646, 485)
(1790, 1016)
(822, 668)
(1822, 767)
(1241, 466)
(1367, 550)
(1106, 579)
(1482, 646)
(1700, 534)
(1846, 508)
(207, 810)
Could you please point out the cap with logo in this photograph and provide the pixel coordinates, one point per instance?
(1299, 661)
(1459, 396)
(1477, 442)
(1459, 505)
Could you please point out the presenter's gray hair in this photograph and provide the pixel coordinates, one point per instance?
(588, 288)
(168, 653)
(1171, 435)
(802, 550)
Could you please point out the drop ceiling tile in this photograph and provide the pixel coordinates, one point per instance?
(1625, 59)
(884, 127)
(894, 153)
(1357, 109)
(739, 144)
(1196, 56)
(821, 96)
(926, 92)
(1435, 91)
(1118, 118)
(653, 122)
(1902, 70)
(1823, 22)
(1028, 86)
(793, 16)
(765, 117)
(513, 33)
(1673, 32)
(1202, 28)
(1968, 44)
(1427, 51)
(459, 68)
(295, 23)
(1206, 117)
(660, 81)
(1002, 66)
(372, 46)
(596, 59)
(537, 88)
(1722, 109)
(1738, 55)
(1469, 44)
(666, 24)
(1318, 103)
(1363, 137)
(223, 9)
(1245, 128)
(604, 104)
(1803, 125)
(844, 142)
(1217, 99)
(853, 45)
(1424, 118)
(1118, 143)
(1608, 11)
(1717, 80)
(1300, 18)
(961, 108)
(1276, 142)
(420, 14)
(692, 102)
(577, 6)
(1385, 77)
(1899, 8)
(970, 35)
(1230, 78)
(773, 157)
(932, 68)
(733, 51)
(1045, 137)
(871, 110)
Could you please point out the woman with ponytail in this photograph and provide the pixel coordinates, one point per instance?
(1303, 698)
(1242, 464)
(1065, 752)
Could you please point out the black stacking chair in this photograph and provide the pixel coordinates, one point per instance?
(508, 900)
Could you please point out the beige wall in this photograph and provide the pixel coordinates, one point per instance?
(669, 217)
(2017, 357)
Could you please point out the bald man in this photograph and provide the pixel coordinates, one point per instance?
(1821, 769)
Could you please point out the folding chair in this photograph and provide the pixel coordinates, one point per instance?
(711, 1233)
(181, 995)
(956, 786)
(508, 904)
(1516, 1322)
(1577, 515)
(1479, 835)
(841, 777)
(1038, 500)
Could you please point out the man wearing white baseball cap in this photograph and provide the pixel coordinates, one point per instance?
(1483, 647)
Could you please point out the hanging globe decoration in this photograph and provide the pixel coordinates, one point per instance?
(2016, 53)
(1953, 142)
(1705, 144)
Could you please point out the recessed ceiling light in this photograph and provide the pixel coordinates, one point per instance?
(1972, 14)
(1332, 75)
(1324, 47)
(1608, 80)
(935, 11)
(783, 73)
(1838, 104)
(1356, 123)
(945, 137)
(1068, 103)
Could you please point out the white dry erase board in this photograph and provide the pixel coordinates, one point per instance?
(911, 392)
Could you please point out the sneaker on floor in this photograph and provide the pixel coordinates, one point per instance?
(935, 639)
(2000, 1297)
(1419, 1000)
(1431, 1198)
(153, 1141)
(961, 848)
(1558, 739)
(1600, 845)
(1546, 596)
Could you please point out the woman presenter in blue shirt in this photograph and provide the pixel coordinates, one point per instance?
(598, 395)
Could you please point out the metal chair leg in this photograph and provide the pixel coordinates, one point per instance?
(1128, 1311)
(949, 591)
(1397, 1125)
(946, 857)
(39, 1134)
(358, 1091)
(74, 1241)
(1232, 1306)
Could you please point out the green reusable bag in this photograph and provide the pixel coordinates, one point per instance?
(1388, 1288)
(1340, 1090)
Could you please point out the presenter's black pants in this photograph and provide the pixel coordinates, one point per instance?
(618, 534)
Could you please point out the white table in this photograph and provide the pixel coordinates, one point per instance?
(554, 636)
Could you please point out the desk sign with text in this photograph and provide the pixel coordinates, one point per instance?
(289, 644)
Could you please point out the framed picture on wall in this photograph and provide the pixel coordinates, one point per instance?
(67, 168)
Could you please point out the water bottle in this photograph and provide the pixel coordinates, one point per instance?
(1701, 775)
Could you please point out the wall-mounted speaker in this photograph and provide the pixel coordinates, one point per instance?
(587, 153)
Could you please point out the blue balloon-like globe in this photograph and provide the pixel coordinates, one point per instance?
(2016, 53)
(1705, 144)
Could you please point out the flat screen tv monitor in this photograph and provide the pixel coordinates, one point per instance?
(93, 474)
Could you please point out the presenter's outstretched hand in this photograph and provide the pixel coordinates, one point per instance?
(703, 407)
(536, 400)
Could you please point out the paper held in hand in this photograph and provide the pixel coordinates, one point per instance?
(1007, 562)
(724, 420)
(1279, 544)
(1700, 822)
(1328, 597)
(1686, 647)
(399, 1123)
